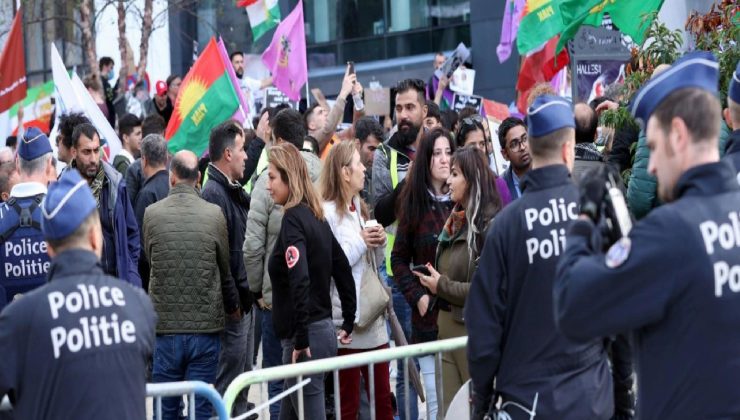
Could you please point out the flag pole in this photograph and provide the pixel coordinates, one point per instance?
(308, 99)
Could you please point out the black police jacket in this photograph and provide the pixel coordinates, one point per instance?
(732, 154)
(509, 311)
(675, 282)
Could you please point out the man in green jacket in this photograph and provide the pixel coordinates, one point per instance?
(186, 243)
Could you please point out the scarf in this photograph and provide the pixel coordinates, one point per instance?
(454, 225)
(588, 151)
(97, 183)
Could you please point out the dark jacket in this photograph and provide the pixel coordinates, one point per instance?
(620, 155)
(587, 158)
(508, 176)
(670, 284)
(155, 188)
(234, 204)
(509, 311)
(134, 179)
(121, 216)
(305, 259)
(416, 243)
(187, 245)
(57, 363)
(642, 188)
(732, 153)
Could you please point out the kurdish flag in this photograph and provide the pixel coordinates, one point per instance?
(263, 15)
(541, 20)
(627, 15)
(207, 98)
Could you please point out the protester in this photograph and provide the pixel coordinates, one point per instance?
(105, 65)
(250, 87)
(370, 135)
(129, 129)
(305, 259)
(433, 118)
(85, 355)
(341, 182)
(23, 257)
(424, 206)
(164, 100)
(732, 116)
(448, 119)
(512, 136)
(321, 124)
(263, 228)
(587, 157)
(669, 271)
(476, 201)
(390, 165)
(226, 149)
(509, 310)
(8, 174)
(67, 124)
(120, 257)
(152, 124)
(187, 245)
(471, 132)
(154, 165)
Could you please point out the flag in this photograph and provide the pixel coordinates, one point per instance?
(13, 66)
(540, 66)
(242, 111)
(509, 29)
(286, 55)
(207, 97)
(263, 15)
(37, 109)
(72, 96)
(541, 21)
(627, 15)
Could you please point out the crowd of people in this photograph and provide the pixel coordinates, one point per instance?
(181, 267)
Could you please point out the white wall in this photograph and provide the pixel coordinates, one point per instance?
(106, 40)
(675, 12)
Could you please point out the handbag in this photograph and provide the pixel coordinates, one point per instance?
(375, 296)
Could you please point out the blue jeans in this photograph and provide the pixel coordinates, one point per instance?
(235, 358)
(272, 353)
(403, 313)
(186, 357)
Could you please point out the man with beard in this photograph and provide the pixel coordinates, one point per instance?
(391, 164)
(120, 232)
(512, 136)
(250, 87)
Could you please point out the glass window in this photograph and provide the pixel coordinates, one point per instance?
(321, 22)
(404, 15)
(403, 45)
(366, 50)
(323, 56)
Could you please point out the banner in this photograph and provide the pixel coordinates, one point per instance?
(461, 101)
(13, 66)
(594, 77)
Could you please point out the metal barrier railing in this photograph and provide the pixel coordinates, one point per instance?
(189, 388)
(172, 389)
(335, 364)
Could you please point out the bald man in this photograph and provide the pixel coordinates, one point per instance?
(187, 245)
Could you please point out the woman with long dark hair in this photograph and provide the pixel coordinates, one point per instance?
(305, 259)
(423, 207)
(460, 243)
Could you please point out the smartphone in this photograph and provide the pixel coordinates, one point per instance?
(421, 269)
(351, 65)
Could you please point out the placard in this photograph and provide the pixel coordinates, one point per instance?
(461, 101)
(274, 97)
(378, 102)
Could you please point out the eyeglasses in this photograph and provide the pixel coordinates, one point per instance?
(517, 145)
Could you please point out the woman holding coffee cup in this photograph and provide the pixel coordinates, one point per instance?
(342, 180)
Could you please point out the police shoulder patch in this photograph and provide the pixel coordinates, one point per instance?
(618, 253)
(292, 255)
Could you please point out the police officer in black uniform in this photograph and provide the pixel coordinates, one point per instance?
(674, 280)
(23, 258)
(76, 347)
(733, 109)
(513, 338)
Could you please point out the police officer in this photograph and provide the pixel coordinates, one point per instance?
(76, 347)
(732, 114)
(674, 280)
(23, 259)
(513, 338)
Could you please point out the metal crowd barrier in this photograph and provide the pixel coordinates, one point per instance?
(173, 389)
(335, 364)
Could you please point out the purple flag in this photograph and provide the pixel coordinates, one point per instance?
(512, 16)
(241, 113)
(286, 55)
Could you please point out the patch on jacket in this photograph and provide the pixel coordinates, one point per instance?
(618, 253)
(292, 256)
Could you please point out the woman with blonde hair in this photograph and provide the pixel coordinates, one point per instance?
(305, 259)
(342, 180)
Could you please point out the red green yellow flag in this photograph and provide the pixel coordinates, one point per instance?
(207, 98)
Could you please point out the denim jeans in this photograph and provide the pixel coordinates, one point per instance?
(403, 313)
(272, 353)
(235, 358)
(186, 357)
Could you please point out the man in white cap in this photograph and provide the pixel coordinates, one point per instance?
(78, 346)
(23, 259)
(674, 280)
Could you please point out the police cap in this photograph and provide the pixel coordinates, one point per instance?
(33, 144)
(67, 204)
(698, 69)
(734, 91)
(549, 113)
